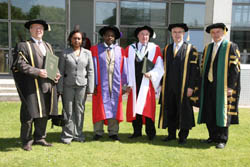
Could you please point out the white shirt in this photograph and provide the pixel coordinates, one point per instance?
(218, 44)
(140, 45)
(40, 45)
(111, 50)
(178, 46)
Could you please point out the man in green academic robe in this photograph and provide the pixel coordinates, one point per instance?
(220, 86)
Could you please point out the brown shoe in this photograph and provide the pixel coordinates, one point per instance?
(43, 142)
(27, 146)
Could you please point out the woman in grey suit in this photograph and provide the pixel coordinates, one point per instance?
(77, 71)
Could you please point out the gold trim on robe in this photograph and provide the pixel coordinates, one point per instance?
(163, 85)
(36, 82)
(225, 83)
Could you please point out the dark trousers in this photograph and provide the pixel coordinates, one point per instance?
(27, 121)
(150, 126)
(219, 134)
(173, 116)
(39, 132)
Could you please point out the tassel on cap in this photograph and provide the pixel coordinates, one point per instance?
(154, 35)
(188, 36)
(49, 29)
(225, 31)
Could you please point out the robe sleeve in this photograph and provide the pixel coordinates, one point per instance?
(234, 66)
(130, 62)
(24, 64)
(158, 70)
(91, 75)
(94, 52)
(194, 68)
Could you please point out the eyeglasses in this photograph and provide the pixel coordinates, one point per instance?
(177, 32)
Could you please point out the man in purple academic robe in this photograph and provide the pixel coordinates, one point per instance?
(110, 75)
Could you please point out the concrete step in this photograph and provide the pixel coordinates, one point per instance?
(9, 97)
(7, 85)
(8, 89)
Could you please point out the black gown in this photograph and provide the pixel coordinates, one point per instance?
(180, 73)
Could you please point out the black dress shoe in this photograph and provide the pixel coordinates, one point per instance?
(134, 136)
(114, 137)
(97, 137)
(221, 145)
(182, 141)
(27, 146)
(43, 142)
(79, 140)
(169, 138)
(151, 138)
(208, 141)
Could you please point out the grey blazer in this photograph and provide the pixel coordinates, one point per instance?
(76, 72)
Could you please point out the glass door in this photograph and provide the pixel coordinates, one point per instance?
(105, 13)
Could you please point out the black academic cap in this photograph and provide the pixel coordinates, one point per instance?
(139, 29)
(181, 25)
(216, 25)
(104, 29)
(42, 22)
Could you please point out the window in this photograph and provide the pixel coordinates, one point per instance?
(3, 9)
(53, 11)
(143, 13)
(191, 14)
(49, 10)
(4, 35)
(196, 38)
(106, 13)
(4, 61)
(241, 16)
(240, 33)
(242, 1)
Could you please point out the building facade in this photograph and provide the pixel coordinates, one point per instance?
(91, 15)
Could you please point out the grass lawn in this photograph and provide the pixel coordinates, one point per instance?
(127, 152)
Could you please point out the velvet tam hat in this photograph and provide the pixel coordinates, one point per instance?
(216, 25)
(42, 22)
(181, 25)
(104, 29)
(139, 29)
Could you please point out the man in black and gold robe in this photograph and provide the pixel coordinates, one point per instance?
(181, 66)
(220, 86)
(36, 91)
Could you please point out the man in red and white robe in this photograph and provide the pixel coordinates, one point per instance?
(142, 86)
